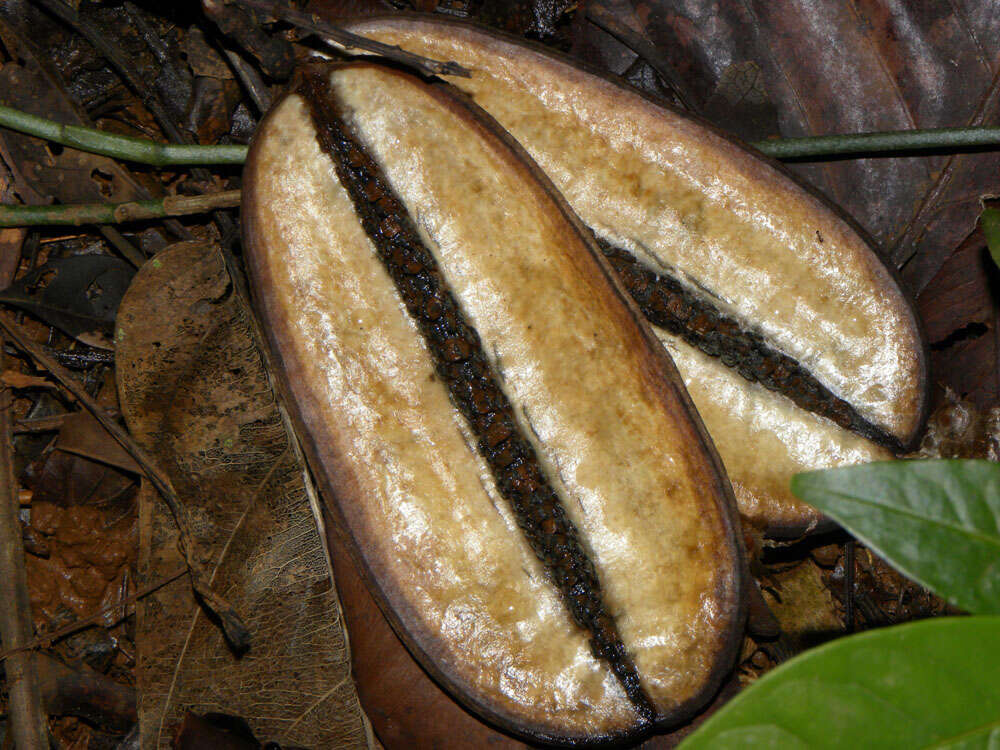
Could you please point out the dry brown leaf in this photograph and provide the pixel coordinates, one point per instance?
(195, 393)
(82, 434)
(15, 379)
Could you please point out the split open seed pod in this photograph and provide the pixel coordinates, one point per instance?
(509, 450)
(794, 339)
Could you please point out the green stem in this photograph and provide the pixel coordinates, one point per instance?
(119, 146)
(812, 147)
(897, 141)
(116, 213)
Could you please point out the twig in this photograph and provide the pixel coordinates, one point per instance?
(252, 82)
(894, 141)
(899, 142)
(119, 146)
(47, 639)
(28, 720)
(40, 424)
(116, 213)
(115, 55)
(234, 629)
(349, 41)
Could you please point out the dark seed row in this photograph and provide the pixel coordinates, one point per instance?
(474, 389)
(667, 304)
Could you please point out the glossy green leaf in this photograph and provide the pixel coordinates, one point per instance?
(938, 522)
(930, 684)
(989, 220)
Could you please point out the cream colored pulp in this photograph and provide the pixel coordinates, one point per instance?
(681, 197)
(764, 438)
(438, 538)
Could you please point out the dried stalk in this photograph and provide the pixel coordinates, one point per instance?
(856, 145)
(116, 213)
(27, 718)
(233, 627)
(122, 147)
(348, 41)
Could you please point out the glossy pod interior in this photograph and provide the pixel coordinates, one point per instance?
(786, 285)
(521, 474)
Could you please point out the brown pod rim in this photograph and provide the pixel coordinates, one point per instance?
(335, 479)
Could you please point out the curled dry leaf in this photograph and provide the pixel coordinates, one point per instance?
(195, 393)
(16, 379)
(79, 295)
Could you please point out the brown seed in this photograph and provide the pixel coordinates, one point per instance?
(497, 432)
(433, 308)
(455, 349)
(389, 226)
(373, 191)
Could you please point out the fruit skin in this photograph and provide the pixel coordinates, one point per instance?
(844, 284)
(330, 450)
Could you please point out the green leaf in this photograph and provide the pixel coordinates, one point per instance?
(930, 684)
(938, 522)
(989, 220)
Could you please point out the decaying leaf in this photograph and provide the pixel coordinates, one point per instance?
(79, 294)
(82, 434)
(959, 310)
(44, 171)
(195, 394)
(15, 379)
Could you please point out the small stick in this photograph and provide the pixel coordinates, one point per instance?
(29, 727)
(234, 629)
(122, 147)
(857, 145)
(868, 144)
(347, 40)
(116, 213)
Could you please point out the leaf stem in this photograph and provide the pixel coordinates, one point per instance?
(871, 144)
(116, 213)
(119, 146)
(812, 147)
(313, 23)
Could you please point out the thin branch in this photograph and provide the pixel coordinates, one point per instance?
(813, 147)
(867, 144)
(29, 727)
(899, 142)
(114, 54)
(116, 213)
(251, 80)
(122, 147)
(233, 627)
(349, 41)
